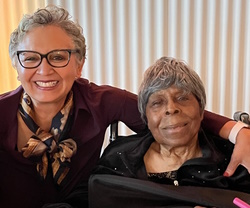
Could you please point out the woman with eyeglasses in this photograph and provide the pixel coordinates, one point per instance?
(53, 125)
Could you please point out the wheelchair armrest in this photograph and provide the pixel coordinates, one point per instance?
(242, 116)
(113, 131)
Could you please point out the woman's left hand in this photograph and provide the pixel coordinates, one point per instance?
(241, 153)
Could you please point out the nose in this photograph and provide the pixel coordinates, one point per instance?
(171, 108)
(44, 68)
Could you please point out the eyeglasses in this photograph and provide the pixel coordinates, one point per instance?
(55, 58)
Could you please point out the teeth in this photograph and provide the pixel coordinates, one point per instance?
(46, 84)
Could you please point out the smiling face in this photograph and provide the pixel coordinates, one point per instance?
(174, 117)
(47, 84)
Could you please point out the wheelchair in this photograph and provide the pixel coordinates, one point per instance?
(126, 192)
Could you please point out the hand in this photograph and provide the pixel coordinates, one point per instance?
(241, 153)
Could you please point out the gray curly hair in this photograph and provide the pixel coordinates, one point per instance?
(164, 73)
(50, 15)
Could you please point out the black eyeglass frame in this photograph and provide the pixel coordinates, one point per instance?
(46, 57)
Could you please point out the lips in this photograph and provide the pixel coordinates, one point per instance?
(46, 84)
(175, 126)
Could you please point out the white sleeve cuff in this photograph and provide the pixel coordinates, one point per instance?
(235, 130)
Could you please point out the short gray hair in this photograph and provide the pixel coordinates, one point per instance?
(166, 72)
(50, 15)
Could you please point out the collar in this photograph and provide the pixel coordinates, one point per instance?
(133, 157)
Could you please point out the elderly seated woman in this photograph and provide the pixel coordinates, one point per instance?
(175, 150)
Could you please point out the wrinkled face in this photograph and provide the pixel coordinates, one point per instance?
(174, 117)
(45, 83)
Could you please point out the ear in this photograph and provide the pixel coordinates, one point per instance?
(79, 69)
(202, 115)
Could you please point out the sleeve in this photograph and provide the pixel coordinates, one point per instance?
(115, 104)
(129, 113)
(213, 122)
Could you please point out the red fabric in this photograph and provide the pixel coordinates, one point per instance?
(213, 122)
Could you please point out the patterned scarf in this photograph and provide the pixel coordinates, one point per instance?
(49, 147)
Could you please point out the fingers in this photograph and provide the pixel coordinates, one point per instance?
(232, 166)
(241, 153)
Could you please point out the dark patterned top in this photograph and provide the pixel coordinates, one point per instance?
(163, 177)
